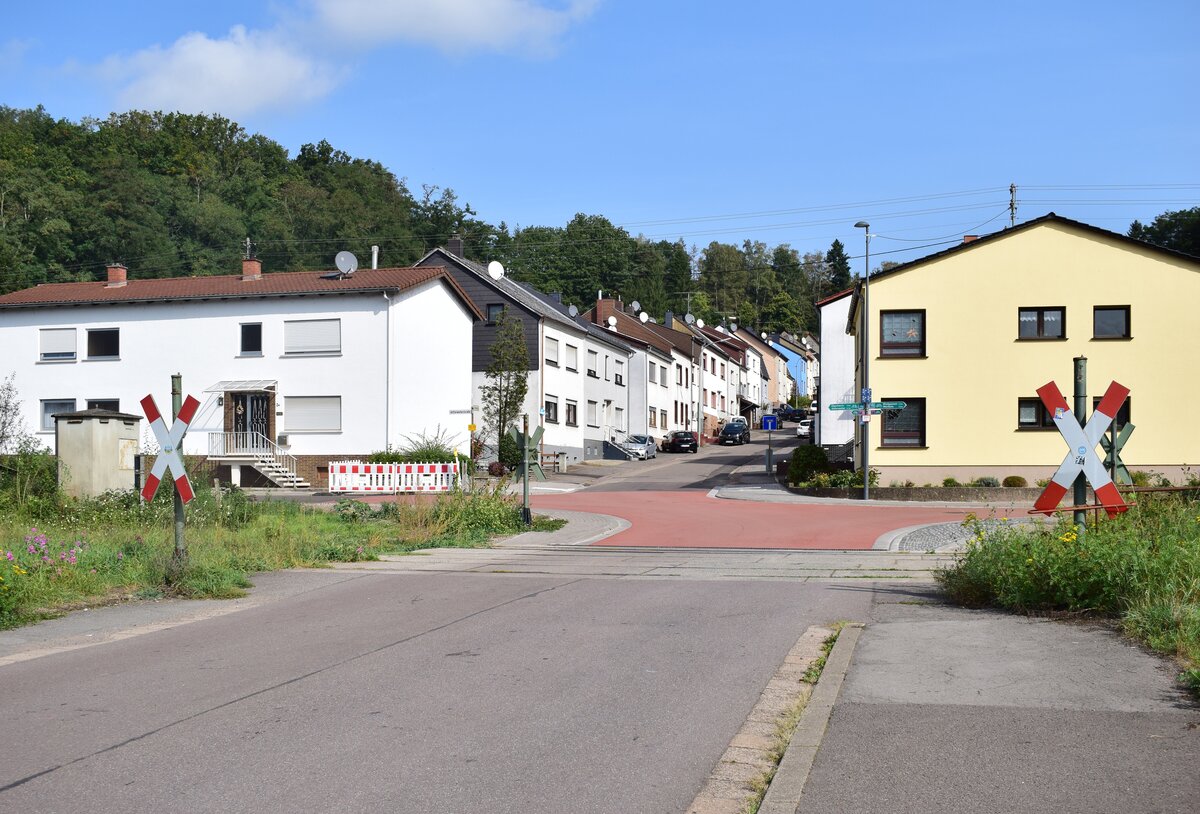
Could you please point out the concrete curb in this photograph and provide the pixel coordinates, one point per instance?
(783, 795)
(583, 528)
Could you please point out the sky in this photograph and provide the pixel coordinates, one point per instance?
(785, 122)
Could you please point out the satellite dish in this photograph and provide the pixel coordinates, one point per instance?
(495, 269)
(699, 323)
(733, 327)
(689, 319)
(644, 317)
(612, 322)
(636, 306)
(763, 334)
(346, 263)
(573, 311)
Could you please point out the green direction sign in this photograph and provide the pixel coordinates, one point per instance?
(888, 405)
(852, 406)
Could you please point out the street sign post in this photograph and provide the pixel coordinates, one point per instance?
(770, 423)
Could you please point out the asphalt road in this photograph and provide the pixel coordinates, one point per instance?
(411, 693)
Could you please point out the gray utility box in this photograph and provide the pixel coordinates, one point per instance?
(96, 451)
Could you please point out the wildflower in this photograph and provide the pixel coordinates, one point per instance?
(9, 555)
(32, 550)
(120, 555)
(1029, 561)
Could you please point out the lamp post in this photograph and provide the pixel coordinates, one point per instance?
(866, 362)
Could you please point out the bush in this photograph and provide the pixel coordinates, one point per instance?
(986, 481)
(497, 470)
(1015, 482)
(951, 483)
(419, 449)
(807, 461)
(510, 451)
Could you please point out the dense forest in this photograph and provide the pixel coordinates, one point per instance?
(176, 195)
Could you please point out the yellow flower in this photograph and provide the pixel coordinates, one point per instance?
(1029, 561)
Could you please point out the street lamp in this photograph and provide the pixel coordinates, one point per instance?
(866, 361)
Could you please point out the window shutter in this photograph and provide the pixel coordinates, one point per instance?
(58, 343)
(312, 336)
(313, 413)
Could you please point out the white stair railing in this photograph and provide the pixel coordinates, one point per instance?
(258, 446)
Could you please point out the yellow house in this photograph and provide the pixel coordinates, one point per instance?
(965, 337)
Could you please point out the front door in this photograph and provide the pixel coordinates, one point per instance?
(251, 420)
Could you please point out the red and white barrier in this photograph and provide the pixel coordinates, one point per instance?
(364, 478)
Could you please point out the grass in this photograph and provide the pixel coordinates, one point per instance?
(57, 554)
(1141, 570)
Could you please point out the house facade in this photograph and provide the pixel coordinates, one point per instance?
(965, 337)
(838, 368)
(301, 366)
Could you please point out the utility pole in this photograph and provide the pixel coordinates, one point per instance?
(1012, 205)
(179, 558)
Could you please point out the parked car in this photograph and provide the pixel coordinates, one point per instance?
(804, 428)
(738, 419)
(735, 432)
(683, 441)
(787, 413)
(640, 446)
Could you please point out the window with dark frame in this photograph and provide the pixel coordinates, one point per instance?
(104, 343)
(572, 414)
(1110, 322)
(251, 339)
(1042, 323)
(902, 333)
(494, 311)
(551, 410)
(104, 404)
(904, 428)
(1033, 415)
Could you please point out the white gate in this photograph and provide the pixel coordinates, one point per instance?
(356, 476)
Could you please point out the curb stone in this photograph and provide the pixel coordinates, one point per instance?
(784, 794)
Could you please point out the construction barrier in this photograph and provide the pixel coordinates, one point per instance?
(355, 476)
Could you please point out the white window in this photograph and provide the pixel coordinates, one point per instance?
(50, 407)
(312, 414)
(552, 351)
(607, 376)
(572, 359)
(651, 371)
(653, 418)
(662, 376)
(58, 344)
(312, 336)
(662, 414)
(620, 419)
(620, 375)
(592, 360)
(593, 418)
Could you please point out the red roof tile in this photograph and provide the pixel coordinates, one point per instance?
(276, 284)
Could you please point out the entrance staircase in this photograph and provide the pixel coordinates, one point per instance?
(258, 451)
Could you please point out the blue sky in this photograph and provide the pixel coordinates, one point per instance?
(784, 122)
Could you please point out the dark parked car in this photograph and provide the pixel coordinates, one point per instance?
(732, 433)
(683, 441)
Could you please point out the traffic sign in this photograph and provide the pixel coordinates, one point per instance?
(888, 405)
(770, 423)
(850, 406)
(1081, 454)
(169, 443)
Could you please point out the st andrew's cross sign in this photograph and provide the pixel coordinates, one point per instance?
(170, 442)
(1082, 455)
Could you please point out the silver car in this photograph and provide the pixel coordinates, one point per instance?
(641, 446)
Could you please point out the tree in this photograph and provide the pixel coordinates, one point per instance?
(1178, 230)
(837, 267)
(12, 423)
(506, 383)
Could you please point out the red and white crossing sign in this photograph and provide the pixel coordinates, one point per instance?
(1082, 456)
(169, 445)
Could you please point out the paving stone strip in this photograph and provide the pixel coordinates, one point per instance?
(732, 784)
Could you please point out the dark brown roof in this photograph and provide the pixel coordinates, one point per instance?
(276, 284)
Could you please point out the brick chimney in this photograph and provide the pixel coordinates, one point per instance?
(969, 238)
(455, 246)
(251, 269)
(117, 276)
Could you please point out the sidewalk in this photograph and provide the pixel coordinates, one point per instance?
(949, 710)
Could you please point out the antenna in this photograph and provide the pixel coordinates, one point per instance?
(689, 319)
(495, 269)
(644, 317)
(1012, 205)
(612, 322)
(346, 263)
(573, 311)
(635, 306)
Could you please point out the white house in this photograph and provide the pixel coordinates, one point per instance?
(291, 368)
(836, 372)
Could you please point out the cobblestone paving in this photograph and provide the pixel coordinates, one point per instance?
(946, 536)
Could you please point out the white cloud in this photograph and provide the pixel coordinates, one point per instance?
(12, 53)
(243, 72)
(455, 26)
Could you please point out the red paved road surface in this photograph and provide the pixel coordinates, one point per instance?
(691, 519)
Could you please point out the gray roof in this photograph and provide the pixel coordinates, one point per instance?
(592, 330)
